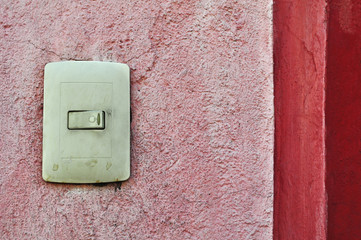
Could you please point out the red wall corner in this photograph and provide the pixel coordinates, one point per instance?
(299, 57)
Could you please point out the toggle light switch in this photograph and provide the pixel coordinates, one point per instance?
(86, 120)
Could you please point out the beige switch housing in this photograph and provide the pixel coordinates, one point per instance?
(86, 122)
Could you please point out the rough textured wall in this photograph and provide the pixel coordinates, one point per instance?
(202, 128)
(300, 53)
(343, 119)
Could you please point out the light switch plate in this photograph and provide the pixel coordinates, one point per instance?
(93, 98)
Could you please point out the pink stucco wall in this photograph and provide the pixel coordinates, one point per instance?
(202, 128)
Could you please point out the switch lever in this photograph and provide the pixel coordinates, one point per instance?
(86, 120)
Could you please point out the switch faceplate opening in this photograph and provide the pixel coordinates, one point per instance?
(86, 120)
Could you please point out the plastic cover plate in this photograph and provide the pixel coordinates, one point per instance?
(86, 155)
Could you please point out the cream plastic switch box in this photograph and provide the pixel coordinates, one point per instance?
(86, 122)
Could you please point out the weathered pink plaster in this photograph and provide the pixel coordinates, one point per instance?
(202, 128)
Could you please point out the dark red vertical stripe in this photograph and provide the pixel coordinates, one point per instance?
(343, 120)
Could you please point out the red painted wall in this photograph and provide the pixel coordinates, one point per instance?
(343, 120)
(299, 55)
